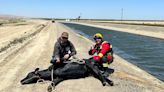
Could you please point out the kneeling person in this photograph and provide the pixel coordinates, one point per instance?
(63, 50)
(104, 52)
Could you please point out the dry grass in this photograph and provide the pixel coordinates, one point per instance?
(21, 39)
(10, 20)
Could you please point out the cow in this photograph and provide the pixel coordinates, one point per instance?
(71, 70)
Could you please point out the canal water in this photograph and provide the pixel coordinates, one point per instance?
(145, 52)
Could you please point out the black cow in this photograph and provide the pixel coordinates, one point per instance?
(72, 70)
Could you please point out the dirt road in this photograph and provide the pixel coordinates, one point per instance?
(36, 51)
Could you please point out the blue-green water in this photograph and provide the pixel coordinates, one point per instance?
(145, 52)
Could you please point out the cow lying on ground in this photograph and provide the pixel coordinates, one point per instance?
(71, 70)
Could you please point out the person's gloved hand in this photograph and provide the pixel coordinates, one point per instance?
(91, 51)
(53, 61)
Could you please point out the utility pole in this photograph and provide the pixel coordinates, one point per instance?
(80, 15)
(122, 12)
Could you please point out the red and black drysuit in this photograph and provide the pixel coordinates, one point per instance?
(104, 53)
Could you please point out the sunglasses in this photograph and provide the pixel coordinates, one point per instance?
(64, 38)
(95, 38)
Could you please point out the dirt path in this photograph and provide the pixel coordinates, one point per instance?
(37, 53)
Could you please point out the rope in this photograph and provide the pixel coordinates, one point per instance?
(52, 75)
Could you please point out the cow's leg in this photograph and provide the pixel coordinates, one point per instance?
(55, 82)
(108, 71)
(109, 81)
(96, 72)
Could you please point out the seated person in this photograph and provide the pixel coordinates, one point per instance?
(104, 52)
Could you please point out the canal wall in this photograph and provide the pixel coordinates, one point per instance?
(136, 22)
(155, 34)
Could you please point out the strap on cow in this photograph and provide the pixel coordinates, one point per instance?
(40, 81)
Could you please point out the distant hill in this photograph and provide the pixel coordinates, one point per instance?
(5, 19)
(6, 16)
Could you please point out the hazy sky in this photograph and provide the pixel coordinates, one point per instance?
(101, 9)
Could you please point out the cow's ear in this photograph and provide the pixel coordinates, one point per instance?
(36, 70)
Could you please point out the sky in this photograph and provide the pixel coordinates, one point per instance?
(87, 9)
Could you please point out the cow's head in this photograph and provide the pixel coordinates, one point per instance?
(32, 77)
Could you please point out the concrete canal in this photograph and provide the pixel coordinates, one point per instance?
(145, 52)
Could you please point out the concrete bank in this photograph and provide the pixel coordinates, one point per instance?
(135, 22)
(127, 77)
(154, 34)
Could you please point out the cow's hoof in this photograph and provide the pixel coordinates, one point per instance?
(111, 83)
(50, 88)
(104, 83)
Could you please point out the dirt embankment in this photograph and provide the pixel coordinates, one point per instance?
(19, 57)
(38, 51)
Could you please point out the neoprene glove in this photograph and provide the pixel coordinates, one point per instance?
(53, 61)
